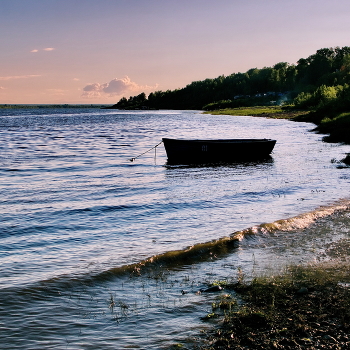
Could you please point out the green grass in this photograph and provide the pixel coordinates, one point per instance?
(260, 111)
(246, 110)
(305, 308)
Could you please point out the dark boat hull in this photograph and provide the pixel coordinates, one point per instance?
(214, 151)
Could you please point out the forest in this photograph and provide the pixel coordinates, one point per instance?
(318, 81)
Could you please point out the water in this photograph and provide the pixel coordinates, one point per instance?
(97, 252)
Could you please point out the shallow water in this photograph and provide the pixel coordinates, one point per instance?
(79, 221)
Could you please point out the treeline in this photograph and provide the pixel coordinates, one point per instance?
(324, 74)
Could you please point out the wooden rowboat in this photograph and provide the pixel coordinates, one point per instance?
(213, 151)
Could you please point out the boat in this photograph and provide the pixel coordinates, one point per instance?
(182, 151)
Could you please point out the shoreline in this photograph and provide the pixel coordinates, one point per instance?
(336, 130)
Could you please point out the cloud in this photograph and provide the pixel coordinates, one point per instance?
(115, 87)
(76, 79)
(2, 88)
(46, 49)
(92, 90)
(12, 77)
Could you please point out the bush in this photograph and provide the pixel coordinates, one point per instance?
(322, 98)
(338, 128)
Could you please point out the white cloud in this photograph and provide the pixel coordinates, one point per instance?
(35, 50)
(12, 77)
(115, 87)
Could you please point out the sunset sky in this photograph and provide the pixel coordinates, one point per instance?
(89, 51)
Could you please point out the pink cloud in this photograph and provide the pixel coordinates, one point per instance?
(92, 90)
(114, 88)
(46, 49)
(12, 77)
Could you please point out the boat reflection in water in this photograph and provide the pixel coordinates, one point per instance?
(253, 164)
(217, 151)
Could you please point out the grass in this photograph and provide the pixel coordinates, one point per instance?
(306, 308)
(262, 111)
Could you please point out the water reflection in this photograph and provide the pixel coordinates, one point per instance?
(268, 161)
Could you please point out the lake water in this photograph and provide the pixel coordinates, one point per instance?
(97, 252)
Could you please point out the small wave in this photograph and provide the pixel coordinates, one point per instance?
(219, 248)
(12, 170)
(197, 253)
(97, 209)
(298, 222)
(14, 230)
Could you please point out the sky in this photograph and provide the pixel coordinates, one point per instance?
(95, 52)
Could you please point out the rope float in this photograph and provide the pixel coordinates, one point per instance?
(154, 147)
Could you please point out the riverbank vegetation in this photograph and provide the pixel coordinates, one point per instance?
(276, 112)
(329, 108)
(335, 125)
(305, 308)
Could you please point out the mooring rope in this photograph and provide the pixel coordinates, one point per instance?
(154, 147)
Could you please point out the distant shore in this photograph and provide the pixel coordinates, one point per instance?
(26, 106)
